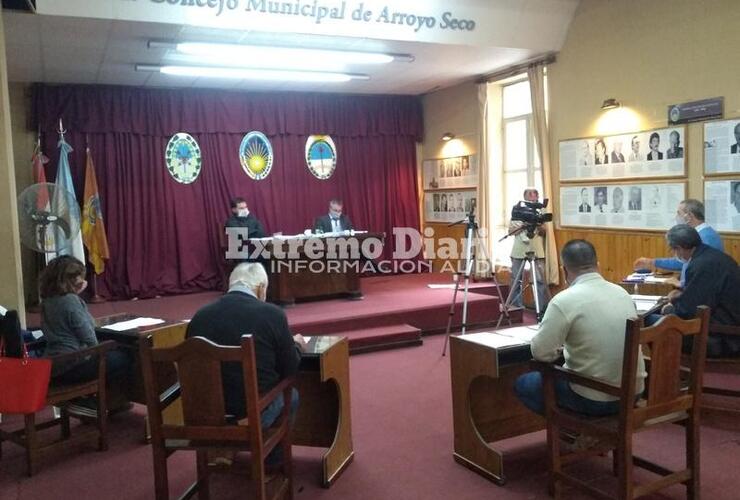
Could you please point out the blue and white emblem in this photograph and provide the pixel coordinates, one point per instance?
(321, 156)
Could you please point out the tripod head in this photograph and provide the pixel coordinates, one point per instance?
(469, 219)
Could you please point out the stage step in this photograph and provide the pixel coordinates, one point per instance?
(381, 338)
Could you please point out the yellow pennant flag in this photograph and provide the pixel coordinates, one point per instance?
(93, 229)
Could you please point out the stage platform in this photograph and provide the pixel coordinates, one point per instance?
(395, 310)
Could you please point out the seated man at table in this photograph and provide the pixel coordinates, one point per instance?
(241, 217)
(588, 322)
(243, 311)
(689, 212)
(712, 279)
(335, 221)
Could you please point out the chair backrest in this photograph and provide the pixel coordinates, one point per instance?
(11, 334)
(667, 389)
(199, 363)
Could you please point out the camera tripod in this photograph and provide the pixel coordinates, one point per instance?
(471, 232)
(518, 278)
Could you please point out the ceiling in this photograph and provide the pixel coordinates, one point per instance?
(55, 49)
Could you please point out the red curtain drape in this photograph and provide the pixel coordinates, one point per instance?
(164, 236)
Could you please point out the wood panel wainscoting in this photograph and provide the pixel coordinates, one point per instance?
(617, 250)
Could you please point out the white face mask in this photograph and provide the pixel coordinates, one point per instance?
(242, 212)
(680, 220)
(680, 259)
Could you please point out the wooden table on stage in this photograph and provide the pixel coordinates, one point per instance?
(484, 407)
(323, 420)
(292, 279)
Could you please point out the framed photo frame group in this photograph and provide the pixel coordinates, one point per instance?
(450, 187)
(623, 181)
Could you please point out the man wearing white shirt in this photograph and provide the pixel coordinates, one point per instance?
(588, 322)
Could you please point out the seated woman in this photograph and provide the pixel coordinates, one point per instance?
(68, 327)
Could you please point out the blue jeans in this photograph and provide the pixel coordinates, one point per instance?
(529, 390)
(268, 417)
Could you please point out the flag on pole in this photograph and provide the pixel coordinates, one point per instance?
(93, 228)
(43, 202)
(64, 183)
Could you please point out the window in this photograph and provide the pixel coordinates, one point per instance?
(521, 163)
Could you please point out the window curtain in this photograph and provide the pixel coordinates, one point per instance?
(484, 243)
(536, 75)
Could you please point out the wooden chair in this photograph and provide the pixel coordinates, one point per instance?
(725, 412)
(205, 425)
(723, 365)
(63, 397)
(672, 394)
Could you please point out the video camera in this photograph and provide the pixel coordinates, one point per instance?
(530, 213)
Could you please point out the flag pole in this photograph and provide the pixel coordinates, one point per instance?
(95, 299)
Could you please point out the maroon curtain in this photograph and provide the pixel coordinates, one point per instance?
(165, 236)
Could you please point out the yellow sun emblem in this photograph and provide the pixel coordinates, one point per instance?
(255, 155)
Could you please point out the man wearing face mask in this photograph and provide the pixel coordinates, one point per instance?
(240, 217)
(277, 353)
(587, 320)
(689, 212)
(712, 279)
(335, 221)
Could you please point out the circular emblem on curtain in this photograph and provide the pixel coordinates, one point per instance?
(182, 157)
(255, 155)
(321, 156)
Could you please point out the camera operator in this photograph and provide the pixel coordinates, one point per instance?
(523, 243)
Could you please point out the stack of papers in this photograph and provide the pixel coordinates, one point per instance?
(656, 279)
(509, 337)
(132, 324)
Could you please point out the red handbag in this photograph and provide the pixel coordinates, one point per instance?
(24, 382)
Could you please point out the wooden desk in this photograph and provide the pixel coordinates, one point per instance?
(637, 288)
(484, 407)
(323, 420)
(165, 334)
(299, 277)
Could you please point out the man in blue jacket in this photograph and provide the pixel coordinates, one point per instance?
(691, 212)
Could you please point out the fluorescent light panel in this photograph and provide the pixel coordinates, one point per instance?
(252, 73)
(289, 55)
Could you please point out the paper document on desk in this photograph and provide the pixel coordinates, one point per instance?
(520, 335)
(132, 324)
(644, 303)
(655, 279)
(449, 286)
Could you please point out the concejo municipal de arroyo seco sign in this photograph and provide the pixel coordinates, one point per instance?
(324, 11)
(431, 20)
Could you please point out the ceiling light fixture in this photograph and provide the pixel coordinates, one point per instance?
(447, 136)
(252, 73)
(288, 55)
(610, 103)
